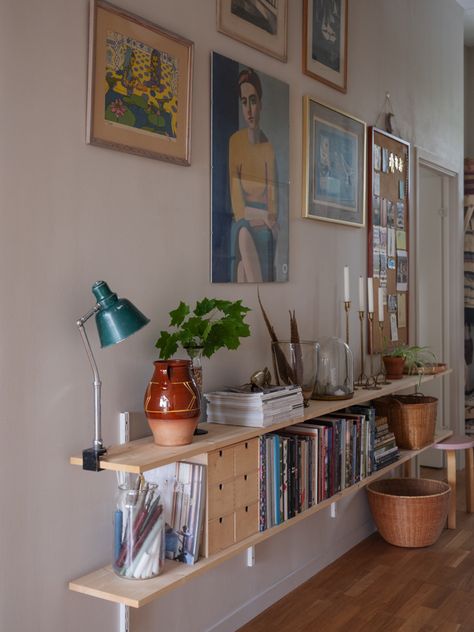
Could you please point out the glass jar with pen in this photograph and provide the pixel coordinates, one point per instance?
(139, 532)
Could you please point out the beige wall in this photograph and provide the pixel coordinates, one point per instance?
(72, 214)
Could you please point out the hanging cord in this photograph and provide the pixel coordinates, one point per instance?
(387, 114)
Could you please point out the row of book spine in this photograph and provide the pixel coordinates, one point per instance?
(309, 462)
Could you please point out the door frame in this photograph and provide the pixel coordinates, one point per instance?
(453, 290)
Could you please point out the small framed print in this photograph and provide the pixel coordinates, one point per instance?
(325, 41)
(261, 24)
(139, 92)
(334, 149)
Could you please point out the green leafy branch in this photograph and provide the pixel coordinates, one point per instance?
(213, 324)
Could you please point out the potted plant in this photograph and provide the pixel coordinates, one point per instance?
(211, 325)
(405, 358)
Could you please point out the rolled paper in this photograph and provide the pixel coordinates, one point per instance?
(361, 295)
(370, 295)
(140, 567)
(347, 294)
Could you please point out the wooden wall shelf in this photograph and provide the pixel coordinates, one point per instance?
(139, 456)
(142, 455)
(104, 584)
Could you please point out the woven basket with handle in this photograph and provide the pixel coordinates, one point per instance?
(411, 418)
(409, 512)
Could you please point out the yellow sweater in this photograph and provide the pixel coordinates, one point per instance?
(252, 175)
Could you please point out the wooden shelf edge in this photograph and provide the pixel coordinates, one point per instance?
(137, 457)
(104, 584)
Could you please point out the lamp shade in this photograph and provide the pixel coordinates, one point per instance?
(116, 318)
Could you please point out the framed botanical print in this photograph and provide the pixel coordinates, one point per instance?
(262, 24)
(139, 86)
(334, 155)
(325, 41)
(250, 174)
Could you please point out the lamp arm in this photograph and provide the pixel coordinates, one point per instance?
(98, 443)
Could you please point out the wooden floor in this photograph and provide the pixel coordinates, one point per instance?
(376, 586)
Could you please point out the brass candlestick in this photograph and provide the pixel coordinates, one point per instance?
(381, 377)
(371, 380)
(347, 307)
(362, 379)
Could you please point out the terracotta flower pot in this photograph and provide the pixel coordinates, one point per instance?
(172, 403)
(394, 367)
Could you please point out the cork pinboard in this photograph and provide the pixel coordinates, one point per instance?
(388, 238)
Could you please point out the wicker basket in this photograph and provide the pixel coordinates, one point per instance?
(411, 418)
(409, 512)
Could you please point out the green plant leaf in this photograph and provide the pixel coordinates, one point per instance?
(167, 344)
(179, 314)
(205, 306)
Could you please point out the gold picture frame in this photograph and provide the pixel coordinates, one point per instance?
(139, 86)
(325, 41)
(334, 165)
(261, 24)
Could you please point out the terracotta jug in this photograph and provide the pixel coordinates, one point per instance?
(172, 404)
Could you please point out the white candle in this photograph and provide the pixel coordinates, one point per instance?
(380, 304)
(370, 295)
(361, 295)
(347, 294)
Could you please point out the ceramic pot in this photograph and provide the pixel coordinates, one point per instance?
(172, 403)
(394, 367)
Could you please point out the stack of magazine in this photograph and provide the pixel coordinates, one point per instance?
(240, 407)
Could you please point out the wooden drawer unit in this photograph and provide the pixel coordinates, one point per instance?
(221, 499)
(246, 456)
(232, 494)
(246, 521)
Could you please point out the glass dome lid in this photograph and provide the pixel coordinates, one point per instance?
(335, 375)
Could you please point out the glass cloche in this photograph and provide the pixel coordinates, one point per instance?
(335, 376)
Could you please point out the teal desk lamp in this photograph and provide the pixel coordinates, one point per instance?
(116, 319)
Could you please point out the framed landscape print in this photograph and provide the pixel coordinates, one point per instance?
(262, 24)
(334, 150)
(139, 86)
(325, 41)
(250, 174)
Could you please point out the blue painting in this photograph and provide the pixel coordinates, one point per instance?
(335, 165)
(250, 174)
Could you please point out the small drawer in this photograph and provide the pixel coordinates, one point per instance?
(246, 456)
(220, 465)
(246, 489)
(246, 521)
(221, 499)
(220, 533)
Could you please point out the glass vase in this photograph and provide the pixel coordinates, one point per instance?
(139, 533)
(296, 363)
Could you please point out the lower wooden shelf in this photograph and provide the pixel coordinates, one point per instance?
(104, 584)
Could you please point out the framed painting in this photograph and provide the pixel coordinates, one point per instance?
(325, 41)
(139, 86)
(334, 153)
(250, 174)
(262, 24)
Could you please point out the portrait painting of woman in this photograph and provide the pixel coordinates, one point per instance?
(249, 175)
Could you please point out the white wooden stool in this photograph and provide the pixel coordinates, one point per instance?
(451, 445)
